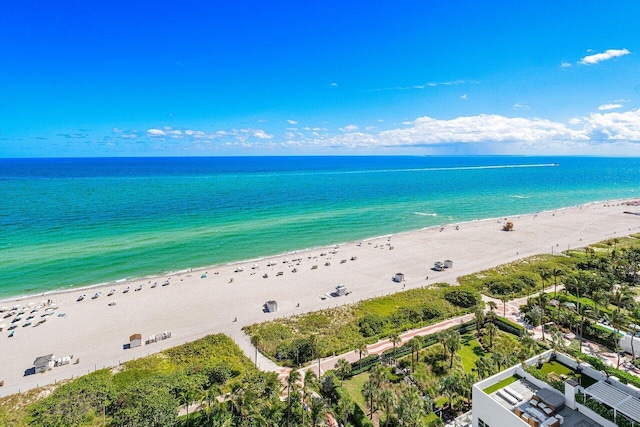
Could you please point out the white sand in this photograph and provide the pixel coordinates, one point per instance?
(191, 307)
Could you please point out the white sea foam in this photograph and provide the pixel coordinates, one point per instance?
(425, 214)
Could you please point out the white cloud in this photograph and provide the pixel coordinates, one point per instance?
(606, 107)
(600, 133)
(481, 128)
(614, 126)
(333, 84)
(599, 57)
(349, 128)
(464, 96)
(564, 64)
(262, 134)
(520, 106)
(429, 84)
(292, 122)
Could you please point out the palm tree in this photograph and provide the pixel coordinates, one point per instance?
(622, 297)
(344, 408)
(361, 348)
(318, 411)
(479, 318)
(416, 345)
(310, 380)
(557, 339)
(635, 317)
(492, 330)
(555, 272)
(492, 305)
(451, 342)
(292, 387)
(543, 299)
(545, 275)
(394, 339)
(503, 298)
(485, 367)
(343, 368)
(467, 380)
(617, 320)
(389, 399)
(599, 298)
(411, 407)
(450, 386)
(370, 393)
(528, 345)
(379, 376)
(187, 396)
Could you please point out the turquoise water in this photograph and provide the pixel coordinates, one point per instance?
(73, 222)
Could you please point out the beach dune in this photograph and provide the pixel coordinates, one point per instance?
(224, 298)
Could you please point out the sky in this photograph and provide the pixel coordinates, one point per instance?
(218, 78)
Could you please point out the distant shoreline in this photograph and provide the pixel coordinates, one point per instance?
(177, 273)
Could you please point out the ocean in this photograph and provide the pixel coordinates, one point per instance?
(76, 222)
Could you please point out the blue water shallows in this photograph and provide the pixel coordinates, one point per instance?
(71, 222)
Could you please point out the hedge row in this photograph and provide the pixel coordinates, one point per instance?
(428, 340)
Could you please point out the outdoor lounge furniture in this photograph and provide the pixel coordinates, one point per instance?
(537, 414)
(518, 411)
(513, 393)
(560, 418)
(510, 399)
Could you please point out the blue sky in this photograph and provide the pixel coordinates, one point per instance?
(194, 78)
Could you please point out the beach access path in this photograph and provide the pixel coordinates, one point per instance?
(222, 299)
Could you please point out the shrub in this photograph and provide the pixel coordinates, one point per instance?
(371, 325)
(462, 297)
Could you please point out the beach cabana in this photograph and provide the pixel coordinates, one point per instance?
(135, 340)
(43, 363)
(271, 306)
(399, 277)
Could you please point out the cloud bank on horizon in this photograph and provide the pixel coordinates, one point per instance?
(211, 79)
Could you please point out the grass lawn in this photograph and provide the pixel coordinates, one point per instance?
(354, 388)
(505, 382)
(560, 369)
(556, 367)
(470, 352)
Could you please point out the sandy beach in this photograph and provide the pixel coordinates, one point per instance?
(193, 305)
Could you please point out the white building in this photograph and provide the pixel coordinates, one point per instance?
(515, 398)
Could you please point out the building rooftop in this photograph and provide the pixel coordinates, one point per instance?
(43, 360)
(527, 390)
(617, 399)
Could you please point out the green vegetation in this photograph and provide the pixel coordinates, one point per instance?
(299, 339)
(144, 392)
(500, 384)
(353, 386)
(442, 369)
